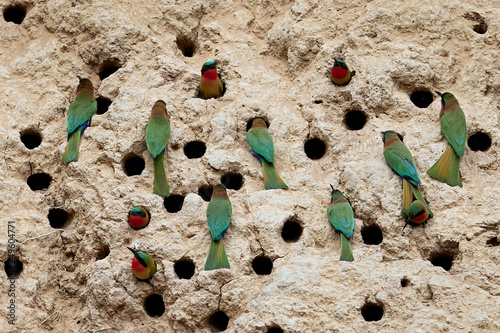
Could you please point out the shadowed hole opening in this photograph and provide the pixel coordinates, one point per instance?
(291, 231)
(493, 241)
(39, 181)
(372, 235)
(249, 123)
(31, 138)
(154, 305)
(372, 312)
(480, 28)
(186, 45)
(444, 260)
(405, 282)
(59, 218)
(355, 120)
(318, 101)
(274, 329)
(315, 149)
(195, 149)
(108, 68)
(184, 269)
(421, 99)
(232, 181)
(102, 253)
(219, 321)
(13, 267)
(133, 165)
(103, 105)
(262, 265)
(479, 141)
(173, 203)
(14, 13)
(205, 192)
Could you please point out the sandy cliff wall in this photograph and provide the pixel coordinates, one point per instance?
(274, 57)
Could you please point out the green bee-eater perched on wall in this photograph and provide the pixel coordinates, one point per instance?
(219, 213)
(341, 216)
(143, 266)
(157, 134)
(80, 111)
(452, 119)
(399, 158)
(210, 83)
(340, 74)
(260, 141)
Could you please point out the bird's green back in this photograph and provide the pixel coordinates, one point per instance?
(341, 216)
(157, 135)
(399, 158)
(83, 107)
(219, 213)
(261, 142)
(454, 129)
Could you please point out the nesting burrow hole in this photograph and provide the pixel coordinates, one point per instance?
(102, 253)
(218, 321)
(39, 181)
(31, 138)
(274, 329)
(262, 265)
(194, 149)
(493, 241)
(184, 269)
(15, 13)
(355, 120)
(173, 203)
(108, 68)
(315, 148)
(205, 192)
(249, 123)
(59, 218)
(372, 311)
(13, 267)
(481, 27)
(405, 282)
(479, 141)
(421, 98)
(291, 231)
(372, 234)
(103, 105)
(133, 165)
(154, 305)
(187, 45)
(318, 101)
(445, 255)
(232, 181)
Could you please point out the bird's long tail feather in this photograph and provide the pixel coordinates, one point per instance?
(345, 249)
(271, 178)
(71, 152)
(447, 168)
(160, 182)
(410, 194)
(217, 257)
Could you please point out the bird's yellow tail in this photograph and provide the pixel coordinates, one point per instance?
(71, 152)
(447, 168)
(217, 257)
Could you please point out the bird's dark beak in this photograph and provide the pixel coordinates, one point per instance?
(333, 189)
(79, 77)
(440, 94)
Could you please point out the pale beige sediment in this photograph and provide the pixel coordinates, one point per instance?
(274, 57)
